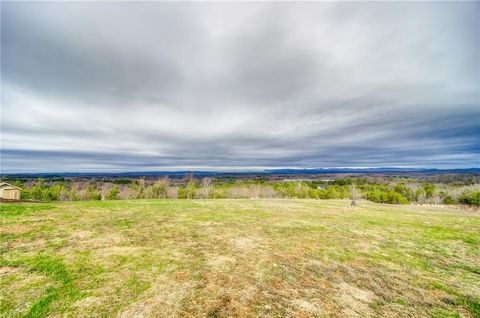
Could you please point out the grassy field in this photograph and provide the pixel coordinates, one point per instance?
(238, 258)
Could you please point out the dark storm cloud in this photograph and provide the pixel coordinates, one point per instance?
(156, 85)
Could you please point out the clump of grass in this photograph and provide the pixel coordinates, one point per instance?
(471, 303)
(54, 269)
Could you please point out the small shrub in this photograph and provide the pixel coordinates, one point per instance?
(472, 198)
(396, 198)
(448, 199)
(93, 194)
(429, 190)
(113, 193)
(404, 191)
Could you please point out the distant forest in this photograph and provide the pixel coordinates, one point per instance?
(446, 189)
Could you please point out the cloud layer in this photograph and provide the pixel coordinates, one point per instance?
(104, 86)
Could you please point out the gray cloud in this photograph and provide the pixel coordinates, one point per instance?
(153, 85)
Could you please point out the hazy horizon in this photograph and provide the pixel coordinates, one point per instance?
(157, 86)
(242, 170)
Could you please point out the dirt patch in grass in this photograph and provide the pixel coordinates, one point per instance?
(307, 307)
(245, 243)
(17, 229)
(221, 262)
(104, 241)
(120, 250)
(88, 303)
(355, 302)
(81, 235)
(7, 270)
(164, 299)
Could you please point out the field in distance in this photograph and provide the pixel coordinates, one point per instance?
(238, 258)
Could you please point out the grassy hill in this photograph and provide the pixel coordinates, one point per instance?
(243, 258)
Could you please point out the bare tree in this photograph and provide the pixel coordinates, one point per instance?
(159, 189)
(354, 194)
(206, 186)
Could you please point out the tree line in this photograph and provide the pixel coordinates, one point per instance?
(392, 191)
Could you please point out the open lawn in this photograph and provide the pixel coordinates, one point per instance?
(238, 258)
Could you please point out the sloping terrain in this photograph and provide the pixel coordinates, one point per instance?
(238, 258)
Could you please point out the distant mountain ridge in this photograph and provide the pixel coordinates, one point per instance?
(250, 172)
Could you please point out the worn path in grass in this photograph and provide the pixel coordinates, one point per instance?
(238, 258)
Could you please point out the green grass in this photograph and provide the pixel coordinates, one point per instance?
(243, 258)
(11, 210)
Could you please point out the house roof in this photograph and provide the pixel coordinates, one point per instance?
(9, 185)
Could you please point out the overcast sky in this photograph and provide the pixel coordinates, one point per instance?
(119, 86)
